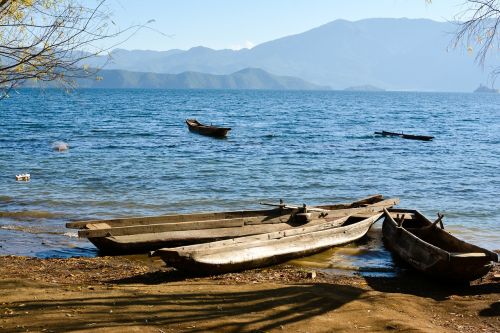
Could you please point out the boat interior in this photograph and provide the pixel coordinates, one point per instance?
(434, 235)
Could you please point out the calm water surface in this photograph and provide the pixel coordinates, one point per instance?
(131, 154)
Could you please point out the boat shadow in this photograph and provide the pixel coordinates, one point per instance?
(154, 278)
(228, 308)
(415, 283)
(492, 311)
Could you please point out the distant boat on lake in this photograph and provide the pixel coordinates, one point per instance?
(406, 136)
(210, 130)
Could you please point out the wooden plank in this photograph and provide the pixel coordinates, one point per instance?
(386, 203)
(105, 230)
(249, 252)
(175, 218)
(154, 228)
(321, 224)
(468, 255)
(368, 200)
(320, 208)
(204, 234)
(284, 206)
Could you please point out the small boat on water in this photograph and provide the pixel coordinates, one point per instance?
(209, 130)
(267, 249)
(406, 136)
(143, 234)
(430, 249)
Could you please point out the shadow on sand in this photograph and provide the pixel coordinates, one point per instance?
(224, 309)
(415, 283)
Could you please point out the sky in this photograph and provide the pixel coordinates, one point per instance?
(235, 24)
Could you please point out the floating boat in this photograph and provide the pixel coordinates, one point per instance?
(143, 234)
(432, 250)
(406, 136)
(267, 249)
(23, 177)
(215, 131)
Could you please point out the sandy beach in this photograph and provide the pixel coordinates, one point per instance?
(118, 294)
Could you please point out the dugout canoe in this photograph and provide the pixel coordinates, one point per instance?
(143, 234)
(209, 130)
(406, 136)
(268, 249)
(428, 248)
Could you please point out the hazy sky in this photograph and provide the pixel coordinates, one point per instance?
(235, 24)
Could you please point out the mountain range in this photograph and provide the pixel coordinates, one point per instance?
(392, 54)
(248, 78)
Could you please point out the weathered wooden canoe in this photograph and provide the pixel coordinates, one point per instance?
(267, 249)
(215, 131)
(430, 249)
(143, 234)
(406, 136)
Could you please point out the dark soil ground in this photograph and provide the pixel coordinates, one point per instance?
(120, 294)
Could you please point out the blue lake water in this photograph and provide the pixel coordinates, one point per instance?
(132, 155)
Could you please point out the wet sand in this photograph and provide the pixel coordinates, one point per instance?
(117, 294)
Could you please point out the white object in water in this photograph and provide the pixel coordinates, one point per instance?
(23, 177)
(60, 146)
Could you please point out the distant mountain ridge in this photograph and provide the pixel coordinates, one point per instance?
(365, 87)
(249, 78)
(393, 54)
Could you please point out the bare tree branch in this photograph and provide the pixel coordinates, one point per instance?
(478, 29)
(49, 40)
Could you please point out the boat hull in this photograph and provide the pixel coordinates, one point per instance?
(267, 249)
(432, 250)
(406, 136)
(214, 131)
(143, 234)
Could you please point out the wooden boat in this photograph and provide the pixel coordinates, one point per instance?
(267, 249)
(406, 136)
(143, 234)
(215, 131)
(430, 249)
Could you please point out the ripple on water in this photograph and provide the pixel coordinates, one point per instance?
(131, 154)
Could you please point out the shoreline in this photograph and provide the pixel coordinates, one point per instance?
(114, 294)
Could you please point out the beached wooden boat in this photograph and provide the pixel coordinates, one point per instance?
(210, 130)
(430, 249)
(267, 249)
(406, 136)
(143, 234)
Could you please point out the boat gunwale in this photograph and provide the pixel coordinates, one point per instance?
(187, 258)
(443, 232)
(193, 123)
(278, 236)
(235, 222)
(394, 226)
(81, 224)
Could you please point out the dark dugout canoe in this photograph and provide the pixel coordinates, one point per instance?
(406, 136)
(209, 130)
(430, 249)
